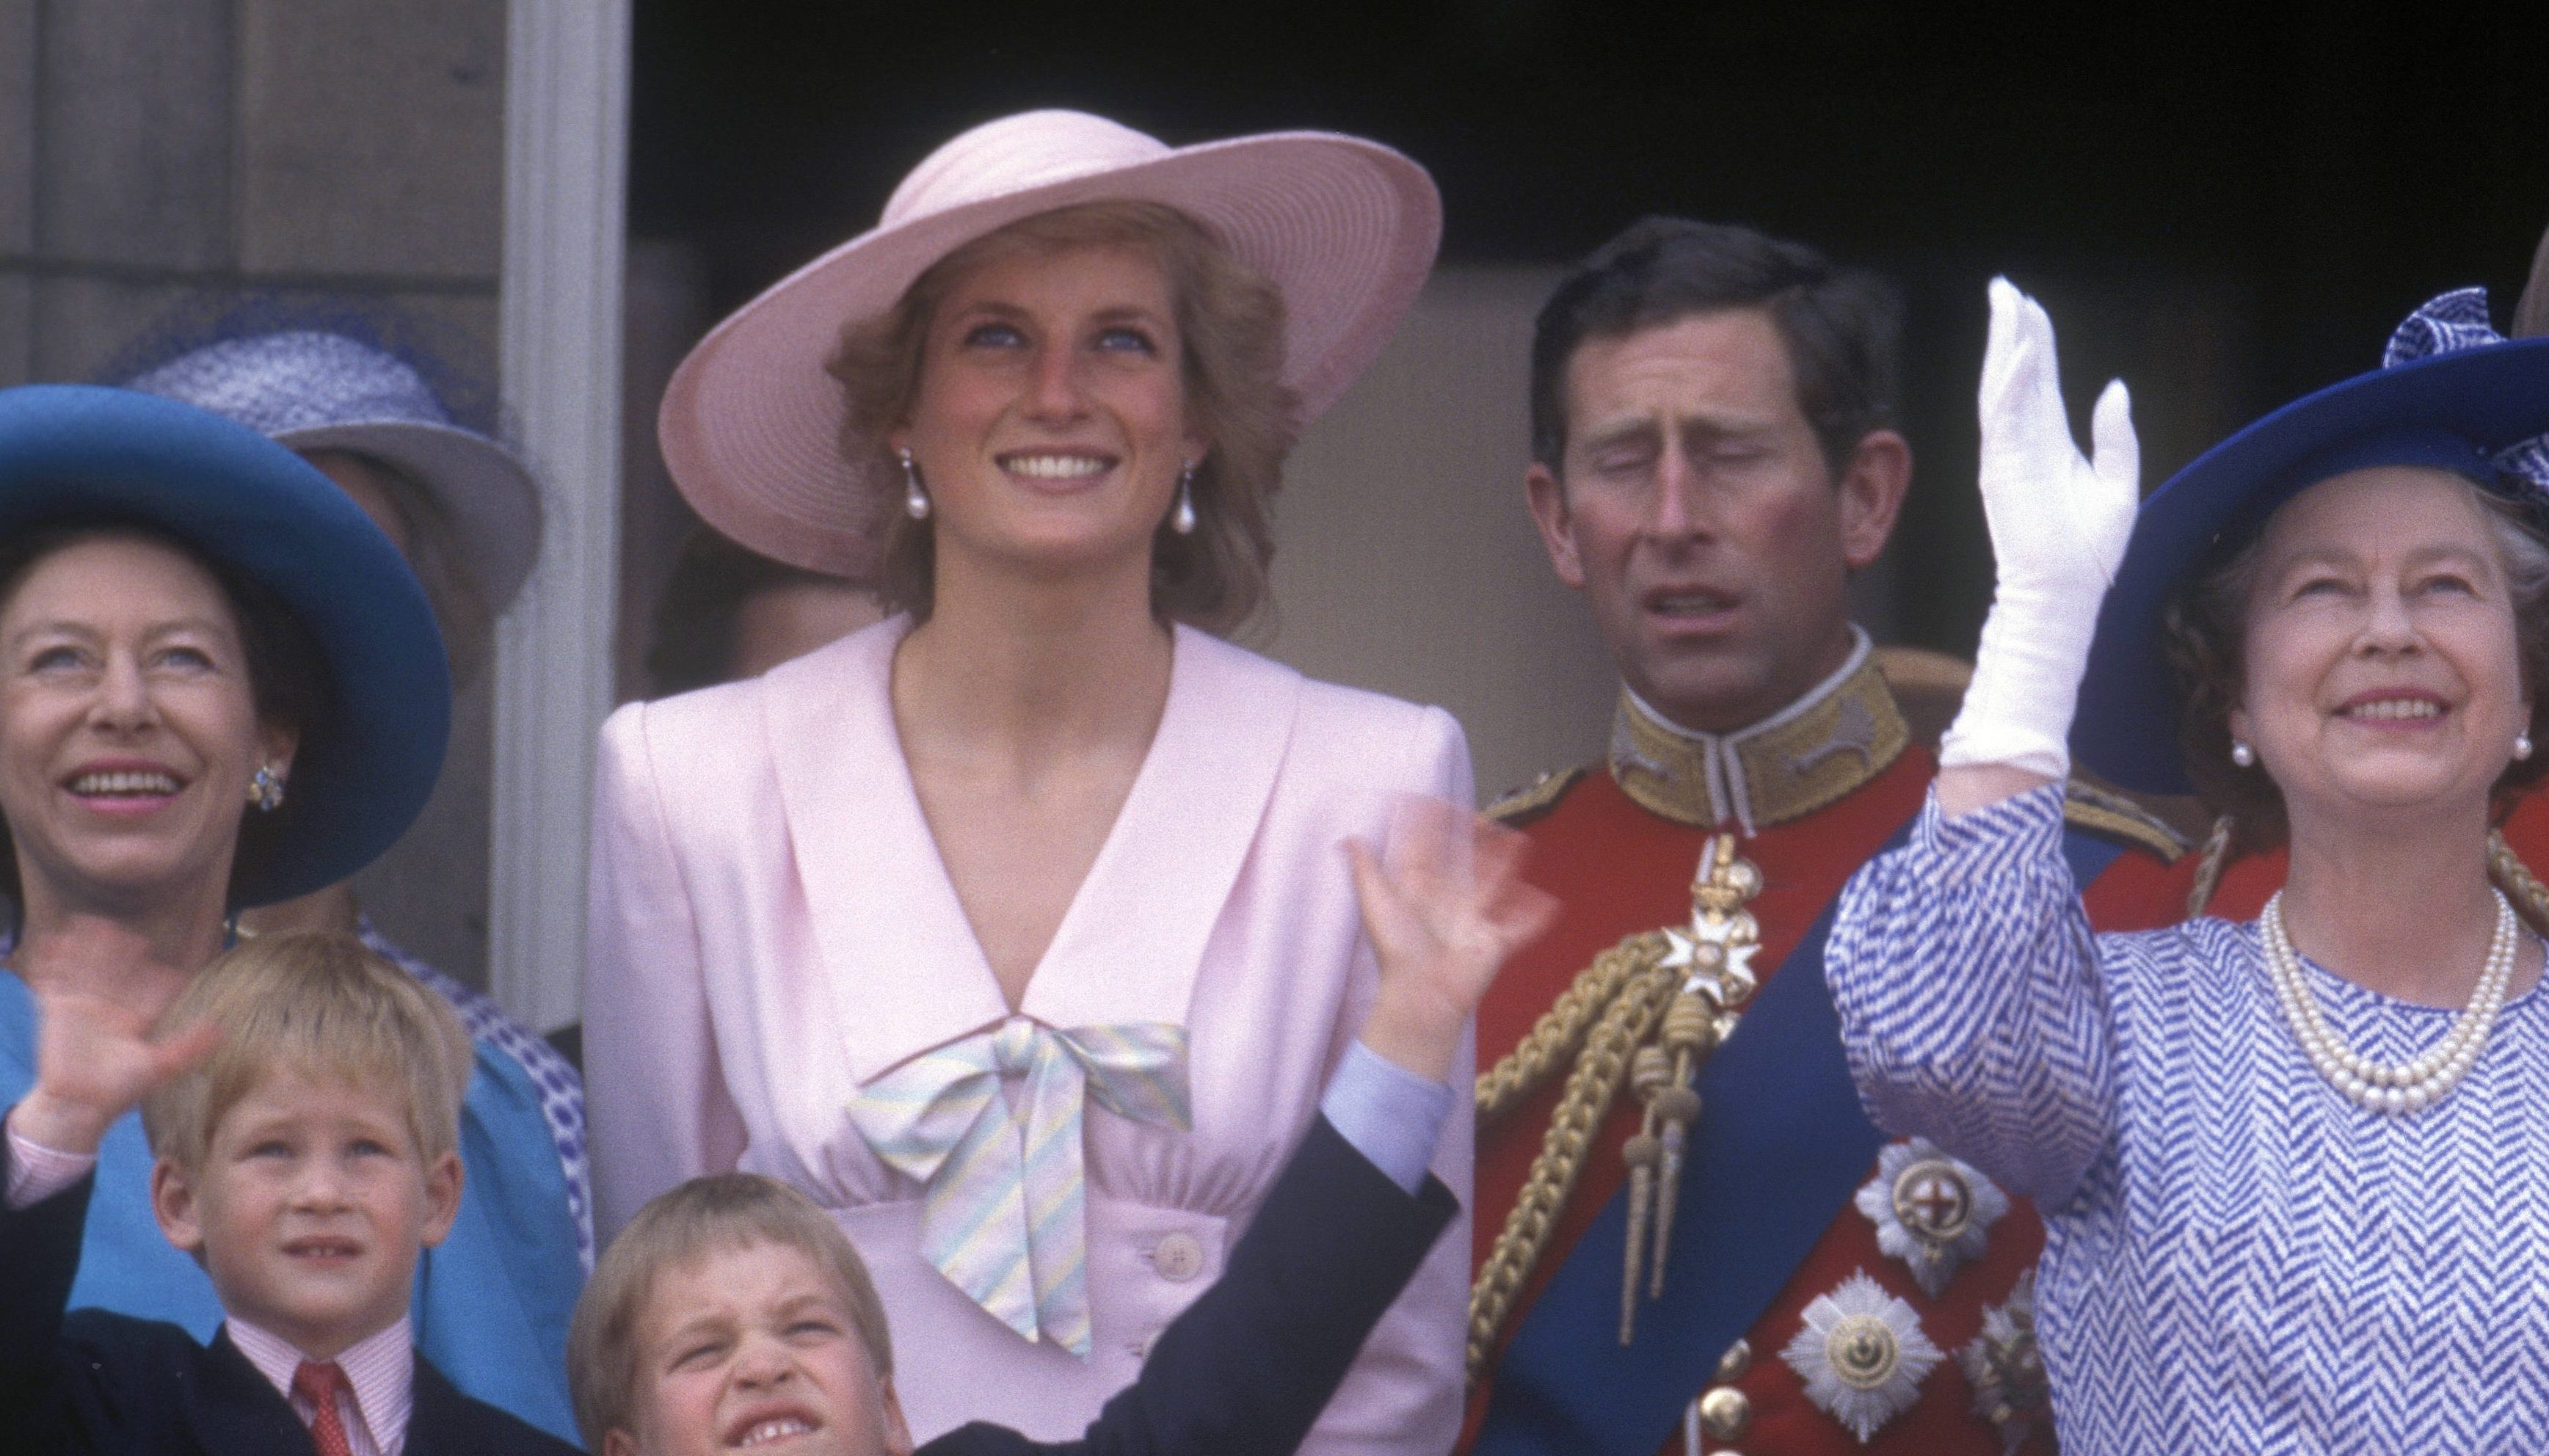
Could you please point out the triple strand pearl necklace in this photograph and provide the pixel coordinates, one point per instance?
(2375, 1086)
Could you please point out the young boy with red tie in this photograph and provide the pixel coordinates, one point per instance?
(304, 1115)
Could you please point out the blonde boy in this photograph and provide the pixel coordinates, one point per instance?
(302, 1103)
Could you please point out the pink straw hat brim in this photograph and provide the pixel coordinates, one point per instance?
(753, 427)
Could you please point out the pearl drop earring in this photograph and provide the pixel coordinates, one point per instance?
(915, 500)
(2242, 755)
(2522, 747)
(1182, 519)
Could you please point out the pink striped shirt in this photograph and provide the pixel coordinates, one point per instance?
(379, 1390)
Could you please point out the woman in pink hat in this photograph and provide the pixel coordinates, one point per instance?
(1018, 929)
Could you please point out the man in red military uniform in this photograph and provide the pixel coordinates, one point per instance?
(1688, 1235)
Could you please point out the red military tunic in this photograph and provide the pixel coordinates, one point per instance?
(2250, 879)
(1619, 866)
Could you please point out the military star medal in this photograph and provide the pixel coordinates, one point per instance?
(1931, 1211)
(1861, 1355)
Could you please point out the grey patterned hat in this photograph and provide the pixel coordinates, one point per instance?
(313, 390)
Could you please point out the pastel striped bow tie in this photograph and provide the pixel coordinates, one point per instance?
(1004, 1217)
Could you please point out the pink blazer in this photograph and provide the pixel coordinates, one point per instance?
(772, 929)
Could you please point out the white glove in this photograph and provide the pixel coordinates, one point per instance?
(2058, 527)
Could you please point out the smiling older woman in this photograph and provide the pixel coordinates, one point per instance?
(1042, 827)
(220, 687)
(2290, 1169)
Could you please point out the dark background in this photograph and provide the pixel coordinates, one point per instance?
(2229, 205)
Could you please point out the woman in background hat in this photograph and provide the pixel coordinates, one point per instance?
(2291, 1169)
(465, 513)
(220, 688)
(1017, 928)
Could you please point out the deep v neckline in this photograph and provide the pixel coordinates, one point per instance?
(936, 855)
(907, 971)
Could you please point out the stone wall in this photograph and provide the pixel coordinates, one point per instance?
(158, 153)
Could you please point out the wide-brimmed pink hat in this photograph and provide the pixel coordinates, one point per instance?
(752, 427)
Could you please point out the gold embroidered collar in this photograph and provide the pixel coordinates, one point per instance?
(1810, 753)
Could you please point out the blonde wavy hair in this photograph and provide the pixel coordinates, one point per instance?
(320, 1004)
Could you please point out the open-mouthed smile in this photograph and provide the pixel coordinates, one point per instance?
(765, 1430)
(1061, 467)
(2390, 709)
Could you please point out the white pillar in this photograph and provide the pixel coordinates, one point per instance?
(566, 159)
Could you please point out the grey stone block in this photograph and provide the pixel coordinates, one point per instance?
(133, 128)
(81, 323)
(17, 126)
(372, 136)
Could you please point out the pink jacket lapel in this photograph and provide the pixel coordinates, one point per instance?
(905, 972)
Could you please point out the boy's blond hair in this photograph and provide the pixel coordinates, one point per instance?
(316, 1004)
(722, 1212)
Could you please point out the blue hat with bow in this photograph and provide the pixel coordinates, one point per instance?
(2451, 394)
(361, 777)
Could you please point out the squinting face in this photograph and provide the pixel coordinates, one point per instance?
(1699, 517)
(753, 1348)
(2382, 672)
(309, 1207)
(127, 728)
(1049, 425)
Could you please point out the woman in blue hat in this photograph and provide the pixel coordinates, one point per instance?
(2292, 1171)
(220, 687)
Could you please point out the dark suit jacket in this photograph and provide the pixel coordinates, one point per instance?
(95, 1382)
(1246, 1369)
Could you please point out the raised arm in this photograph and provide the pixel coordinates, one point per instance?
(1248, 1367)
(1962, 965)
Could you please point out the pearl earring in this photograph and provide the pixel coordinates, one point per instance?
(915, 500)
(2242, 755)
(1182, 519)
(2522, 747)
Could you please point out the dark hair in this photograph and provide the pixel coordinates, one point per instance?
(695, 617)
(436, 553)
(1843, 326)
(287, 674)
(2203, 632)
(1230, 322)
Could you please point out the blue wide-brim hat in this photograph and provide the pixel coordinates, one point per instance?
(2452, 395)
(81, 452)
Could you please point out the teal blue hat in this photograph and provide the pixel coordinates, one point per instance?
(2451, 395)
(82, 452)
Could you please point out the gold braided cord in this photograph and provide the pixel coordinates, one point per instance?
(1561, 1028)
(2208, 871)
(1627, 1018)
(2530, 898)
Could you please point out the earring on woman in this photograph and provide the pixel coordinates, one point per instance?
(1182, 519)
(265, 789)
(2522, 747)
(2242, 755)
(915, 500)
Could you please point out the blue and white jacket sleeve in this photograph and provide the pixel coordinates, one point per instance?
(1971, 1006)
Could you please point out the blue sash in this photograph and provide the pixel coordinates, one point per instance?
(1780, 1144)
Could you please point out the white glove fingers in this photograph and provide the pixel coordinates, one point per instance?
(2116, 452)
(2043, 371)
(1999, 341)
